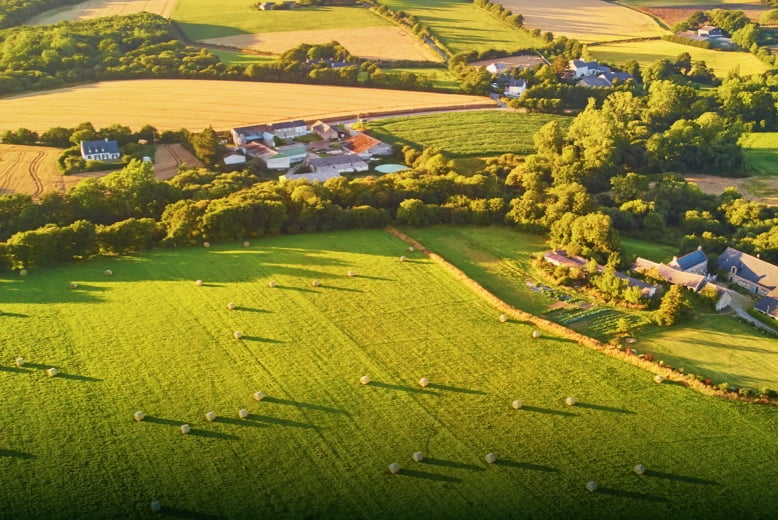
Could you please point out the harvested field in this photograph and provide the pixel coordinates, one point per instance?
(196, 104)
(759, 189)
(527, 61)
(102, 8)
(169, 157)
(373, 43)
(674, 11)
(585, 20)
(32, 170)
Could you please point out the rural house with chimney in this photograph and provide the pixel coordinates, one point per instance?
(105, 150)
(753, 274)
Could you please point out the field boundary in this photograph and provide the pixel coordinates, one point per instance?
(565, 332)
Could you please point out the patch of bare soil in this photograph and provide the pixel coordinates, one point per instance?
(759, 189)
(169, 157)
(672, 15)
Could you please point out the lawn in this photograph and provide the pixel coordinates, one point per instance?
(649, 250)
(477, 133)
(441, 78)
(319, 444)
(645, 53)
(462, 26)
(761, 151)
(240, 58)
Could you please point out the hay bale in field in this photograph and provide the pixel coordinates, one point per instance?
(411, 249)
(231, 306)
(516, 404)
(139, 416)
(246, 243)
(156, 507)
(315, 283)
(271, 284)
(72, 285)
(107, 272)
(206, 244)
(258, 396)
(394, 468)
(535, 334)
(20, 362)
(591, 486)
(237, 334)
(570, 401)
(503, 318)
(365, 380)
(23, 272)
(185, 429)
(210, 416)
(491, 458)
(350, 274)
(199, 283)
(659, 379)
(243, 413)
(418, 456)
(424, 382)
(639, 469)
(51, 372)
(403, 259)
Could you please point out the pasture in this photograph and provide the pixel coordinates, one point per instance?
(101, 8)
(221, 104)
(477, 133)
(319, 445)
(462, 26)
(645, 53)
(499, 259)
(585, 20)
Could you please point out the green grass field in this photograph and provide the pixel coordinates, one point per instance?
(319, 445)
(240, 58)
(761, 151)
(196, 19)
(441, 78)
(477, 133)
(649, 250)
(648, 52)
(462, 26)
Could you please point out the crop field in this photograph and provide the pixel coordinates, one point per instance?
(319, 444)
(645, 53)
(499, 259)
(33, 170)
(196, 104)
(674, 11)
(585, 20)
(462, 26)
(101, 8)
(478, 133)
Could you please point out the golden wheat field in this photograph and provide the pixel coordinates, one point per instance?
(373, 43)
(196, 104)
(101, 8)
(32, 170)
(585, 20)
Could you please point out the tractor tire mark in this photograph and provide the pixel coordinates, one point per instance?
(33, 170)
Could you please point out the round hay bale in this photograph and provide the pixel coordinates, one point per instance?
(639, 469)
(351, 274)
(403, 259)
(23, 272)
(424, 382)
(231, 306)
(246, 243)
(315, 283)
(243, 413)
(503, 318)
(659, 379)
(199, 283)
(185, 429)
(139, 416)
(237, 334)
(72, 285)
(107, 272)
(535, 334)
(417, 456)
(156, 507)
(258, 396)
(210, 416)
(206, 244)
(365, 380)
(20, 362)
(394, 468)
(591, 486)
(570, 401)
(51, 372)
(491, 458)
(271, 284)
(411, 249)
(516, 404)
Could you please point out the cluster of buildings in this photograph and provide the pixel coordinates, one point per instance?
(339, 152)
(594, 75)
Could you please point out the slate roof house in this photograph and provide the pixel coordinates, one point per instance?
(105, 150)
(583, 68)
(324, 130)
(691, 280)
(515, 88)
(254, 133)
(710, 31)
(289, 129)
(754, 275)
(694, 262)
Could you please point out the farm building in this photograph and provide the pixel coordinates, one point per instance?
(295, 152)
(337, 164)
(289, 129)
(105, 150)
(515, 88)
(749, 272)
(326, 131)
(366, 146)
(269, 157)
(267, 6)
(498, 67)
(559, 257)
(769, 305)
(250, 134)
(710, 31)
(235, 157)
(581, 68)
(694, 262)
(594, 82)
(691, 280)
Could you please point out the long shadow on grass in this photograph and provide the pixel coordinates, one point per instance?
(524, 465)
(14, 315)
(261, 339)
(76, 377)
(548, 411)
(340, 288)
(279, 422)
(369, 277)
(184, 513)
(604, 408)
(252, 309)
(17, 370)
(242, 422)
(299, 289)
(461, 390)
(680, 478)
(410, 389)
(160, 420)
(214, 435)
(308, 406)
(630, 494)
(452, 464)
(428, 476)
(17, 454)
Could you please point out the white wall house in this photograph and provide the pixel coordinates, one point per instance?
(104, 150)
